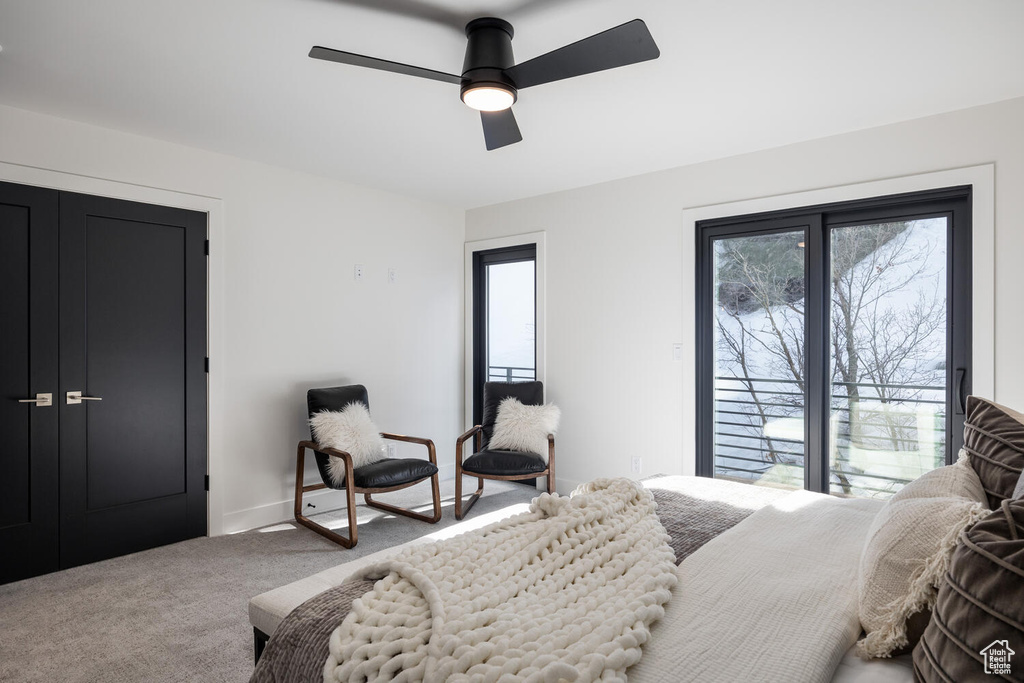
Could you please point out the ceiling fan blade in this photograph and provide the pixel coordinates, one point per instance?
(626, 44)
(500, 128)
(330, 55)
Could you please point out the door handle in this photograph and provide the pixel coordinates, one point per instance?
(41, 400)
(75, 397)
(959, 391)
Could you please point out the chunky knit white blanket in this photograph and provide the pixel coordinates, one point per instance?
(567, 591)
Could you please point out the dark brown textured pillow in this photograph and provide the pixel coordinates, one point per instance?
(980, 606)
(994, 438)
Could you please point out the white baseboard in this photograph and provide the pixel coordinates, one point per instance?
(327, 499)
(284, 510)
(281, 511)
(566, 486)
(446, 472)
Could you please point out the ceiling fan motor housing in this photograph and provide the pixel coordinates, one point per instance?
(488, 54)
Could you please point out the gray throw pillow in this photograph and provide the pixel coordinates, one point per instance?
(979, 615)
(994, 438)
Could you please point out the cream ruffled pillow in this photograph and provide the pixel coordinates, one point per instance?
(519, 427)
(350, 430)
(908, 548)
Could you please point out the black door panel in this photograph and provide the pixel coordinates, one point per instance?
(28, 366)
(107, 298)
(135, 436)
(133, 334)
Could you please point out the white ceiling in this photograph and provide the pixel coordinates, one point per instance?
(734, 76)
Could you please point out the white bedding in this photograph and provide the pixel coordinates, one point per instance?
(772, 599)
(853, 669)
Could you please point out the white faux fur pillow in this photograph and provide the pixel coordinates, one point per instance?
(524, 428)
(350, 430)
(907, 552)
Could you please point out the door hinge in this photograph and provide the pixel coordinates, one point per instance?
(206, 482)
(206, 365)
(206, 247)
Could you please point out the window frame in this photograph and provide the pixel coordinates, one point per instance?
(818, 220)
(481, 259)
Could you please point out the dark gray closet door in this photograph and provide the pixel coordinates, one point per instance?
(28, 367)
(133, 343)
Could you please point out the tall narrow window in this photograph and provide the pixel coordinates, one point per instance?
(505, 318)
(834, 343)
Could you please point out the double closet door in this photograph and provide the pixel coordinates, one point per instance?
(102, 378)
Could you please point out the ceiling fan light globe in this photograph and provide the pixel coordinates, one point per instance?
(488, 98)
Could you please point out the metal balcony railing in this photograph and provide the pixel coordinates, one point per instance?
(505, 373)
(881, 435)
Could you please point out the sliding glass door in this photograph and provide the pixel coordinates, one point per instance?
(888, 353)
(834, 343)
(758, 384)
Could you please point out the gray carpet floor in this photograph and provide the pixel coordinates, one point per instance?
(179, 613)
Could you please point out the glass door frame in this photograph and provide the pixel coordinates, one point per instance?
(481, 260)
(814, 436)
(818, 221)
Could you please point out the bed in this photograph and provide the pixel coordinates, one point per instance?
(766, 591)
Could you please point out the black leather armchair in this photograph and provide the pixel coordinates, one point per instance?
(390, 474)
(497, 464)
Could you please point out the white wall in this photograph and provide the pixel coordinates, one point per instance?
(290, 316)
(617, 276)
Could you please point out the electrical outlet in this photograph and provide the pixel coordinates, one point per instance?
(391, 450)
(392, 275)
(677, 352)
(357, 272)
(636, 465)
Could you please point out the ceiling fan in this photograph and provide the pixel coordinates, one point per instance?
(491, 80)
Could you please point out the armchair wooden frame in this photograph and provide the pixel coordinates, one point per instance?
(477, 430)
(351, 490)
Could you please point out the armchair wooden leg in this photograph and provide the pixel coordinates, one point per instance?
(458, 491)
(551, 465)
(460, 509)
(350, 502)
(435, 484)
(433, 518)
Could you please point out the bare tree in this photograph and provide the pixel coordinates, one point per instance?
(880, 352)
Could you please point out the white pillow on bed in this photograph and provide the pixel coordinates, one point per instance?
(907, 552)
(519, 427)
(351, 430)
